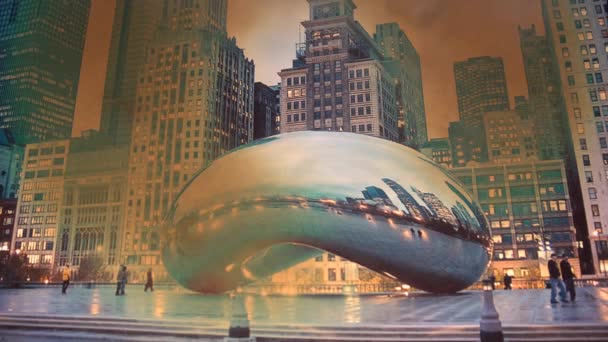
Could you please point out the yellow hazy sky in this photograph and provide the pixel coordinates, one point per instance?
(442, 31)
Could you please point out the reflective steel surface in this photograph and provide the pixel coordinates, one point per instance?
(275, 202)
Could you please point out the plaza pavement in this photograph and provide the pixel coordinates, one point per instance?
(184, 315)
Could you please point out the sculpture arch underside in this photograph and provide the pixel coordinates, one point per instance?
(279, 201)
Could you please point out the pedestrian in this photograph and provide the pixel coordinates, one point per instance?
(66, 278)
(119, 277)
(492, 280)
(568, 276)
(554, 275)
(123, 280)
(149, 281)
(507, 279)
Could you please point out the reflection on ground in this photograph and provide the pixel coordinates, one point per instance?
(515, 307)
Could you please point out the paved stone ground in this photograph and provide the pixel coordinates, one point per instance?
(515, 307)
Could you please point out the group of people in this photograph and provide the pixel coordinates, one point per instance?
(563, 270)
(121, 280)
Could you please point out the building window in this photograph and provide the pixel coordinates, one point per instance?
(583, 143)
(603, 143)
(589, 176)
(331, 274)
(592, 193)
(580, 128)
(586, 161)
(595, 210)
(605, 158)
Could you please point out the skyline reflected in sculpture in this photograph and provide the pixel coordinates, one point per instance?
(278, 201)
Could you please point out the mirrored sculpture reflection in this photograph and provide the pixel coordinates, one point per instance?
(278, 201)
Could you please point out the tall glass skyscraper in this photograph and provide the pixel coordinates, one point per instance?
(41, 44)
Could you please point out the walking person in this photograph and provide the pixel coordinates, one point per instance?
(568, 276)
(554, 275)
(123, 280)
(507, 279)
(66, 278)
(149, 281)
(119, 277)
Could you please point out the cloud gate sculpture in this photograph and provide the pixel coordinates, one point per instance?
(281, 200)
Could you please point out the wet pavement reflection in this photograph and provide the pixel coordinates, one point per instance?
(514, 307)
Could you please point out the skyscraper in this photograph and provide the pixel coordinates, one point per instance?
(481, 87)
(194, 102)
(41, 45)
(403, 62)
(544, 90)
(577, 33)
(135, 23)
(338, 81)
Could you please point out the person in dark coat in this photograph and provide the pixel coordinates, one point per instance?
(119, 280)
(554, 276)
(507, 280)
(149, 281)
(568, 276)
(492, 280)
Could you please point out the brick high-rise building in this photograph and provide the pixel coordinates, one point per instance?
(194, 102)
(41, 44)
(338, 82)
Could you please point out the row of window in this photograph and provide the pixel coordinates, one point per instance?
(485, 179)
(548, 222)
(34, 245)
(46, 151)
(23, 220)
(553, 237)
(296, 80)
(296, 105)
(296, 117)
(35, 232)
(43, 173)
(587, 160)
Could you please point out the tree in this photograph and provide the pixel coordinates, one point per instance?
(15, 269)
(91, 268)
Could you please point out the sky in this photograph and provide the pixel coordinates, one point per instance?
(442, 31)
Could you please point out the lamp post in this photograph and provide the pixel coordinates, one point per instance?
(239, 323)
(490, 328)
(598, 234)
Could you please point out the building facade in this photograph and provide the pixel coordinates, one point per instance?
(338, 81)
(545, 97)
(93, 203)
(510, 139)
(439, 151)
(7, 224)
(135, 23)
(577, 34)
(525, 203)
(481, 87)
(11, 159)
(194, 103)
(467, 144)
(40, 199)
(403, 62)
(266, 119)
(41, 44)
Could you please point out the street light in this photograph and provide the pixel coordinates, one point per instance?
(490, 328)
(598, 234)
